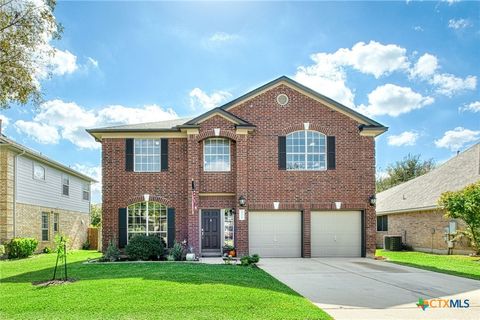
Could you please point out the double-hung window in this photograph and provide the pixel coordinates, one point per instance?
(86, 191)
(56, 222)
(65, 185)
(382, 223)
(216, 154)
(147, 218)
(306, 150)
(147, 155)
(45, 226)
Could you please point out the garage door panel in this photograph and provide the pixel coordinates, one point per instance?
(275, 234)
(336, 233)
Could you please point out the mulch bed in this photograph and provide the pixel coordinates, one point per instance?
(55, 282)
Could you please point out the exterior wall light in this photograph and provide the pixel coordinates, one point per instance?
(373, 200)
(242, 201)
(338, 205)
(276, 205)
(146, 197)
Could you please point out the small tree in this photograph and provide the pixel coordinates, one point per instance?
(96, 215)
(465, 204)
(403, 170)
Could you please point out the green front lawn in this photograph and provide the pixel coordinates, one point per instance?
(464, 266)
(146, 291)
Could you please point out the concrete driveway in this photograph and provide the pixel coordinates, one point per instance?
(356, 288)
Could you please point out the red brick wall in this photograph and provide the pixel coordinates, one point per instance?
(255, 171)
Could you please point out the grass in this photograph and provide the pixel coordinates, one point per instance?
(463, 266)
(146, 291)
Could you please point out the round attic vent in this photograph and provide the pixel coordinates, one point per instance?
(282, 99)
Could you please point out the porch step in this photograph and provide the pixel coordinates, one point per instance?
(211, 254)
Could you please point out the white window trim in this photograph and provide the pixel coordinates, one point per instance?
(229, 155)
(146, 225)
(68, 177)
(87, 190)
(135, 158)
(47, 228)
(44, 172)
(306, 153)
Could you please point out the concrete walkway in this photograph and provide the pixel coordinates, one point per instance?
(359, 288)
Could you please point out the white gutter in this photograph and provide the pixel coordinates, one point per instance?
(15, 168)
(382, 213)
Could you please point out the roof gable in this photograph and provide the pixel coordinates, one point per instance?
(365, 121)
(220, 112)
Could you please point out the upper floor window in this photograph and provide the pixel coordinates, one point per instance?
(86, 191)
(306, 150)
(38, 172)
(216, 154)
(65, 185)
(147, 155)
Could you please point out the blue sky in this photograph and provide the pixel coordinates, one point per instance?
(413, 66)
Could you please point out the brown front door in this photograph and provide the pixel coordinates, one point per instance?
(210, 229)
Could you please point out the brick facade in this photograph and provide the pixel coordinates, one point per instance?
(424, 231)
(7, 182)
(71, 224)
(254, 169)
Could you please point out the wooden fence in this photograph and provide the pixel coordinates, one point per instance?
(94, 238)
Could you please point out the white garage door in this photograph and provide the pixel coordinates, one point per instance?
(275, 234)
(336, 234)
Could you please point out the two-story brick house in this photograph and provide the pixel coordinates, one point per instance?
(281, 171)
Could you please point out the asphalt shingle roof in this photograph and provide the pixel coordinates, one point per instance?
(423, 192)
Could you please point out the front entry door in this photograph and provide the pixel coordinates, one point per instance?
(211, 229)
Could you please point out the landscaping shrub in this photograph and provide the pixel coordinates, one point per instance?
(21, 247)
(112, 253)
(177, 252)
(2, 250)
(86, 245)
(142, 247)
(250, 260)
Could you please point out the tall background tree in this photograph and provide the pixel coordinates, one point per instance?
(26, 29)
(96, 215)
(411, 166)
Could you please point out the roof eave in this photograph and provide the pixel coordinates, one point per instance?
(372, 131)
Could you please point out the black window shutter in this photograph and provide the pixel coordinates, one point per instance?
(170, 227)
(164, 155)
(282, 153)
(331, 153)
(129, 154)
(122, 227)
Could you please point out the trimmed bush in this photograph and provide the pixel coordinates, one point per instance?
(21, 247)
(142, 247)
(250, 260)
(112, 253)
(2, 250)
(177, 252)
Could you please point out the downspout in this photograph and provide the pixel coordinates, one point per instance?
(15, 179)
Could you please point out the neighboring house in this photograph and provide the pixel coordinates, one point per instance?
(286, 151)
(40, 198)
(411, 210)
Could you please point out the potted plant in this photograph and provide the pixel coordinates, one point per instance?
(229, 251)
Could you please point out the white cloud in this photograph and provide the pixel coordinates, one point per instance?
(418, 28)
(92, 62)
(406, 138)
(5, 122)
(40, 132)
(327, 74)
(63, 62)
(457, 138)
(68, 120)
(448, 84)
(472, 106)
(223, 37)
(200, 100)
(425, 66)
(393, 100)
(450, 2)
(381, 174)
(457, 24)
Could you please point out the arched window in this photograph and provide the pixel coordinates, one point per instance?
(147, 218)
(306, 150)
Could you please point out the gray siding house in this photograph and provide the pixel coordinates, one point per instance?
(40, 197)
